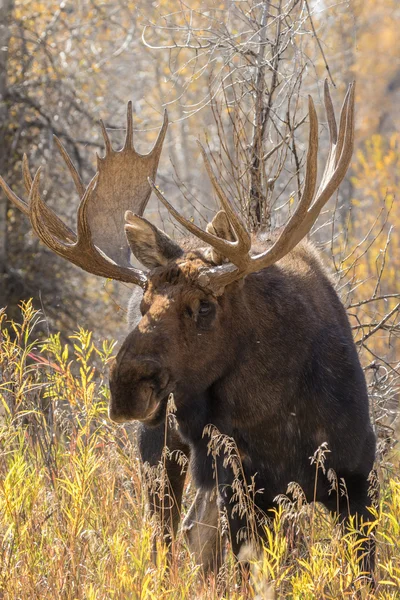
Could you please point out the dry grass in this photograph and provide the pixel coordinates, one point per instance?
(73, 520)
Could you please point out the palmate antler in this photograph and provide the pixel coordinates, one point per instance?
(242, 262)
(120, 184)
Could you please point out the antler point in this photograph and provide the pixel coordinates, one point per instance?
(129, 127)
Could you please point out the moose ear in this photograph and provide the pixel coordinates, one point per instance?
(220, 227)
(151, 246)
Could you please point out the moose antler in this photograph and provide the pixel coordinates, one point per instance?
(242, 262)
(120, 184)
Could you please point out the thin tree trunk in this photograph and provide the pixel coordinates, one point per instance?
(6, 8)
(256, 191)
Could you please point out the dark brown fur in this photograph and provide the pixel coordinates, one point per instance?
(271, 364)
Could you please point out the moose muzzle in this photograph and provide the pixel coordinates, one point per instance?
(138, 388)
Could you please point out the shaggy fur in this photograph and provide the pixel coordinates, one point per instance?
(270, 363)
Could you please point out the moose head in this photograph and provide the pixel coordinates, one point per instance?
(191, 304)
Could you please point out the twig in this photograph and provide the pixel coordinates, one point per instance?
(379, 325)
(319, 44)
(362, 302)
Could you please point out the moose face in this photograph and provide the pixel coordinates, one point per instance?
(177, 345)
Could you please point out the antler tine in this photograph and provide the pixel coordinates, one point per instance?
(55, 225)
(346, 133)
(242, 235)
(330, 113)
(343, 122)
(26, 174)
(310, 179)
(129, 127)
(160, 140)
(236, 251)
(107, 141)
(232, 250)
(335, 142)
(19, 203)
(83, 225)
(44, 222)
(80, 188)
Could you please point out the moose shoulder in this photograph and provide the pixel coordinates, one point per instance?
(250, 337)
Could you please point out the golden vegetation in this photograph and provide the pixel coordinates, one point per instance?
(73, 522)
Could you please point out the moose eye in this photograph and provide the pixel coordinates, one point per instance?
(205, 308)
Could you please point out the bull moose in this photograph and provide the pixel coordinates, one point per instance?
(248, 335)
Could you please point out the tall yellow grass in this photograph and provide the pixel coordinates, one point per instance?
(73, 519)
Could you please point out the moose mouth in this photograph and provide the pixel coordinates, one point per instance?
(157, 415)
(152, 418)
(144, 400)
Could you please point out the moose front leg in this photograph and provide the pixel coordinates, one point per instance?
(202, 530)
(164, 476)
